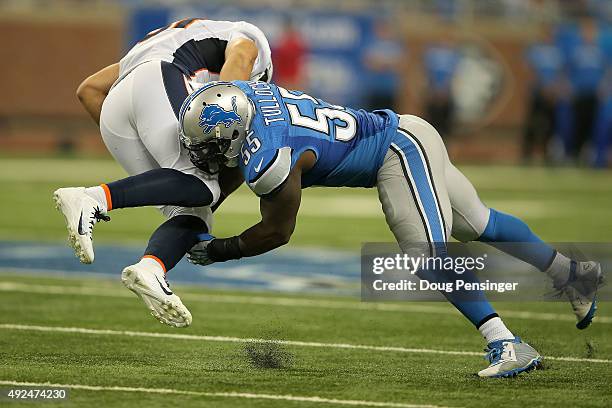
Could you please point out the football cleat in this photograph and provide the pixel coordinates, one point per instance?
(81, 213)
(508, 358)
(581, 290)
(152, 287)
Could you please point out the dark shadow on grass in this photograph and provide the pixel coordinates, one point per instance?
(269, 353)
(591, 349)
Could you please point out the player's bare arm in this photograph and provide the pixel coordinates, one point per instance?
(93, 90)
(278, 213)
(240, 56)
(230, 178)
(278, 216)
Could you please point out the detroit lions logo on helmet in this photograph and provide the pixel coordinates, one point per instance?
(213, 114)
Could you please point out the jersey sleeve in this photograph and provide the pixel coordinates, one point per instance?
(262, 69)
(268, 170)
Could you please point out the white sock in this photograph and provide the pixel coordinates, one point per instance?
(98, 194)
(559, 269)
(152, 263)
(494, 329)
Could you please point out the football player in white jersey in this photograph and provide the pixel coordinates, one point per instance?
(136, 103)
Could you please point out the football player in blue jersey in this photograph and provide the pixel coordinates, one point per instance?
(284, 141)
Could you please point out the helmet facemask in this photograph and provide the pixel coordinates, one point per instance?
(205, 156)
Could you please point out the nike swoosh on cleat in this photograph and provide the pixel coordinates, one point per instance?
(166, 291)
(80, 228)
(258, 167)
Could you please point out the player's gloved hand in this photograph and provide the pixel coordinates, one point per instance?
(198, 254)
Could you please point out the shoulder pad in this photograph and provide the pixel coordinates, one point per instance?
(269, 171)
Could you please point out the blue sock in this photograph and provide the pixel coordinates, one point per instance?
(503, 229)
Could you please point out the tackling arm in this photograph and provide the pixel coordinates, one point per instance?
(278, 217)
(94, 90)
(240, 56)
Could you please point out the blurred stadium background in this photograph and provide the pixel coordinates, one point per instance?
(521, 91)
(504, 80)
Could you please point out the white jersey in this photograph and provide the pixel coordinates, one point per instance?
(197, 48)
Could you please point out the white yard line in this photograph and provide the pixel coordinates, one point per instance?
(247, 395)
(226, 339)
(284, 301)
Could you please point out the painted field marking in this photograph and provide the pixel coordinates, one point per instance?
(247, 395)
(227, 339)
(286, 301)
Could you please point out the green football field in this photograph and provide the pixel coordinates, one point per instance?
(259, 349)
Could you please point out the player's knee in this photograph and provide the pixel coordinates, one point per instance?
(416, 249)
(193, 186)
(185, 222)
(188, 189)
(203, 213)
(210, 187)
(463, 230)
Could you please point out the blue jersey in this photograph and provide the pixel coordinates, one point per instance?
(349, 145)
(441, 64)
(546, 61)
(587, 67)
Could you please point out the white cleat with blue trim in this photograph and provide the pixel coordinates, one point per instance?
(581, 290)
(508, 358)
